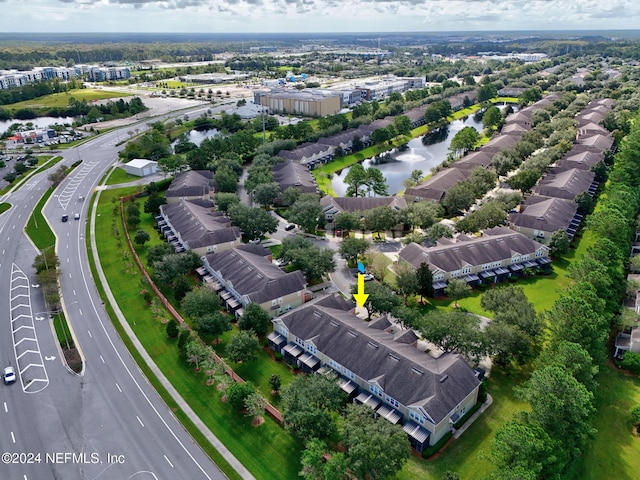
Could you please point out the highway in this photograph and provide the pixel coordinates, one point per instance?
(108, 423)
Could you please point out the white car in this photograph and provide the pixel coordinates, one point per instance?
(76, 216)
(9, 375)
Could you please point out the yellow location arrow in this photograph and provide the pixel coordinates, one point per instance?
(360, 297)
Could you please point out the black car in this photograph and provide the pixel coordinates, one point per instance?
(289, 226)
(65, 218)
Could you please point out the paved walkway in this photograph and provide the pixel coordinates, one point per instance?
(474, 417)
(211, 438)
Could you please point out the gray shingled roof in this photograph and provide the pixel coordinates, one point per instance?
(599, 141)
(586, 117)
(565, 184)
(500, 142)
(435, 187)
(339, 139)
(475, 159)
(360, 204)
(544, 213)
(592, 128)
(522, 117)
(494, 245)
(254, 275)
(290, 174)
(515, 128)
(408, 375)
(198, 226)
(583, 160)
(191, 184)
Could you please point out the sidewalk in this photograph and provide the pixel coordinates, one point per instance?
(211, 438)
(474, 417)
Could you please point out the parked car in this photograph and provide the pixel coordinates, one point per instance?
(9, 375)
(289, 226)
(255, 241)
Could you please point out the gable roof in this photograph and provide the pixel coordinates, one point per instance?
(494, 245)
(254, 275)
(599, 141)
(547, 214)
(198, 226)
(436, 186)
(410, 376)
(583, 161)
(472, 160)
(501, 142)
(566, 184)
(360, 204)
(290, 174)
(193, 183)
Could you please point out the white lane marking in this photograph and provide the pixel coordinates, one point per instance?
(6, 409)
(13, 438)
(74, 293)
(89, 332)
(168, 461)
(118, 387)
(139, 420)
(80, 310)
(102, 359)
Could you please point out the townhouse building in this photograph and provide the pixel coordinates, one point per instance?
(495, 256)
(294, 175)
(540, 217)
(193, 225)
(331, 206)
(245, 274)
(191, 185)
(379, 367)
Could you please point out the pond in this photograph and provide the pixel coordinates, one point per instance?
(197, 136)
(421, 153)
(39, 122)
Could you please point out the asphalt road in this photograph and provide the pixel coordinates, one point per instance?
(108, 423)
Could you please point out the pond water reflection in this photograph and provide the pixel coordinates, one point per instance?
(421, 153)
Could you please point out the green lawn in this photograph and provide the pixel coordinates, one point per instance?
(615, 451)
(119, 175)
(468, 455)
(62, 99)
(37, 228)
(267, 451)
(4, 207)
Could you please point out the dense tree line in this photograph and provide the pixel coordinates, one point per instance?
(545, 442)
(35, 90)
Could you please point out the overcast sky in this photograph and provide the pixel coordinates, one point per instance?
(222, 16)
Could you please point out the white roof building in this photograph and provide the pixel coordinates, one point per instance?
(141, 167)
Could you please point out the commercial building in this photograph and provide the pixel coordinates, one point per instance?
(310, 104)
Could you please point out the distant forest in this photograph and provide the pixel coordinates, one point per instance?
(24, 51)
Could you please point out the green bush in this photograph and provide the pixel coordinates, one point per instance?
(434, 448)
(631, 362)
(482, 392)
(237, 393)
(172, 328)
(461, 421)
(635, 415)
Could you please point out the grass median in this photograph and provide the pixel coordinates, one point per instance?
(267, 451)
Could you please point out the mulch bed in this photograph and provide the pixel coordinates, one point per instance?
(73, 359)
